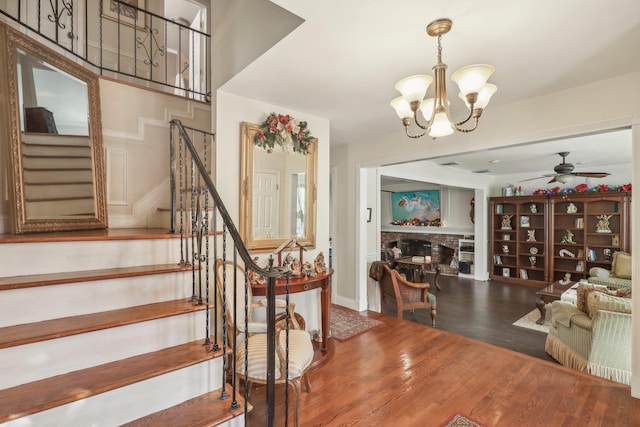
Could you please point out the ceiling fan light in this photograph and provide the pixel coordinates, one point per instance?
(441, 126)
(414, 88)
(402, 107)
(471, 79)
(565, 179)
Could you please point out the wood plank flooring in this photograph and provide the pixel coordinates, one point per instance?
(407, 374)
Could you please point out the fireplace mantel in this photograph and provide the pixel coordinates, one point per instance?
(427, 230)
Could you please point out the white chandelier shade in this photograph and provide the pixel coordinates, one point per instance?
(471, 80)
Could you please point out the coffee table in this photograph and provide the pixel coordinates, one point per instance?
(553, 292)
(421, 267)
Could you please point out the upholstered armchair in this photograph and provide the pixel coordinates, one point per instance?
(406, 295)
(618, 277)
(596, 340)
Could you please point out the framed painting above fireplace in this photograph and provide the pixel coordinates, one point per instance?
(422, 207)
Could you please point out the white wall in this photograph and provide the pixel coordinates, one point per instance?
(231, 111)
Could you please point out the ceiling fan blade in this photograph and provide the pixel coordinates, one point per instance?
(591, 174)
(531, 179)
(552, 180)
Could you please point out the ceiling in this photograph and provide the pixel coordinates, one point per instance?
(342, 63)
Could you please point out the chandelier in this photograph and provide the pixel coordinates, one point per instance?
(474, 91)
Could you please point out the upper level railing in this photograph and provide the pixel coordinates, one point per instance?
(122, 41)
(204, 224)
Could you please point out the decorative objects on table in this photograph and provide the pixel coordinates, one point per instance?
(290, 134)
(320, 265)
(568, 238)
(471, 80)
(307, 270)
(506, 222)
(572, 208)
(531, 235)
(252, 276)
(603, 223)
(289, 261)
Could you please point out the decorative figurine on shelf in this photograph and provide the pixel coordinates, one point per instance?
(505, 249)
(566, 280)
(568, 238)
(572, 208)
(506, 222)
(603, 223)
(607, 254)
(533, 208)
(531, 236)
(532, 261)
(321, 267)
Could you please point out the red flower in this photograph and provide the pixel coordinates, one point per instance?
(284, 119)
(555, 189)
(582, 188)
(603, 188)
(626, 187)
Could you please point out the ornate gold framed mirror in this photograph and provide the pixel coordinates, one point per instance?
(278, 194)
(56, 155)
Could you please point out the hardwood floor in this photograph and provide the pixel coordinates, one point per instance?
(485, 311)
(407, 374)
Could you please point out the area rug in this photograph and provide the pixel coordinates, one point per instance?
(529, 320)
(461, 421)
(347, 323)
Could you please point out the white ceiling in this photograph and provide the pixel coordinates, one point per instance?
(344, 60)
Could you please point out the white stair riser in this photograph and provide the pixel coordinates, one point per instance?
(30, 305)
(31, 362)
(21, 259)
(128, 403)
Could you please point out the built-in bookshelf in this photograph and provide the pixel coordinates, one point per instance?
(587, 230)
(536, 240)
(519, 239)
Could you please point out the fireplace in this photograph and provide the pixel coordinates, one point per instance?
(415, 247)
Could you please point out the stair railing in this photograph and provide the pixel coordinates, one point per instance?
(196, 218)
(122, 41)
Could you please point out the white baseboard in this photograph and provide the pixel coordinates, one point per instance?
(346, 302)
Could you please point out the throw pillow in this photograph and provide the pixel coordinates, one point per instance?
(621, 265)
(598, 272)
(599, 301)
(584, 290)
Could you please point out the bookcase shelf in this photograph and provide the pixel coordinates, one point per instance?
(566, 233)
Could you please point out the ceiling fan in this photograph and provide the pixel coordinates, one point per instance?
(564, 172)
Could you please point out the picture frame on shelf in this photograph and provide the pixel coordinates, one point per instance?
(524, 274)
(525, 221)
(615, 240)
(506, 237)
(579, 223)
(580, 266)
(506, 272)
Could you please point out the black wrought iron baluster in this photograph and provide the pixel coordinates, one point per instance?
(192, 231)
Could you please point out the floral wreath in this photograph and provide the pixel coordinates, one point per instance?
(289, 133)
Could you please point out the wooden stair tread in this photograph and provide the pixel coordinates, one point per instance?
(203, 411)
(51, 392)
(18, 282)
(90, 235)
(56, 328)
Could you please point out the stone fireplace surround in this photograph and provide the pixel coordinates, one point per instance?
(438, 241)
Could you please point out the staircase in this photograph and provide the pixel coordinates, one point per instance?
(98, 328)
